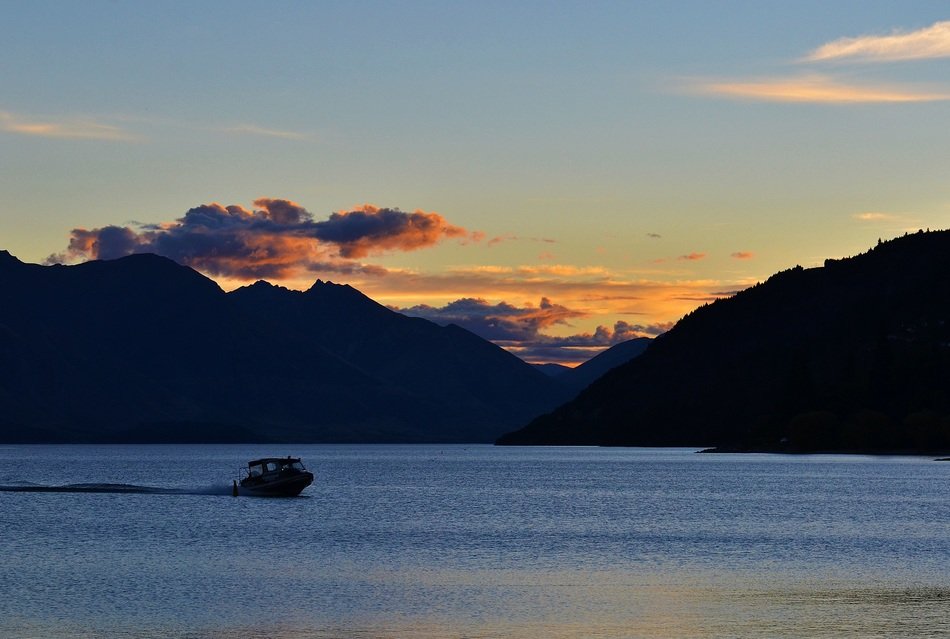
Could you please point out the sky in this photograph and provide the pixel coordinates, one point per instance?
(555, 176)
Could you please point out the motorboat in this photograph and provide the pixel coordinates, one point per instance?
(274, 477)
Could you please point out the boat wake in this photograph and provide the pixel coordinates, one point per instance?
(224, 489)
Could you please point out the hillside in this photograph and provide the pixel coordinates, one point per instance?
(851, 356)
(141, 349)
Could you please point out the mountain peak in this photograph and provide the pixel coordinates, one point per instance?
(321, 285)
(265, 286)
(148, 272)
(337, 293)
(263, 291)
(7, 259)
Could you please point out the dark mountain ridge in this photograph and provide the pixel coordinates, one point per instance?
(143, 349)
(851, 356)
(581, 376)
(585, 374)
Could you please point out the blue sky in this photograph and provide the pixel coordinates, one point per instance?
(574, 165)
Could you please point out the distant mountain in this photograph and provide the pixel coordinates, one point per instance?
(142, 349)
(580, 377)
(552, 369)
(584, 375)
(853, 356)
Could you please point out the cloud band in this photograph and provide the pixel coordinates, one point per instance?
(278, 238)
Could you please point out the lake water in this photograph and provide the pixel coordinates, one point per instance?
(475, 541)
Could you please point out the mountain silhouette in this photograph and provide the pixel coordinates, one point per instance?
(581, 376)
(141, 349)
(585, 374)
(851, 356)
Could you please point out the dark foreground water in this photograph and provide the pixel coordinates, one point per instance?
(472, 541)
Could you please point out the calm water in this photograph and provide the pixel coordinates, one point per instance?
(475, 541)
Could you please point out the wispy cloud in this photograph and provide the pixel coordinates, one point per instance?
(64, 128)
(692, 257)
(894, 221)
(815, 88)
(252, 129)
(561, 270)
(519, 238)
(876, 216)
(98, 128)
(927, 43)
(930, 42)
(743, 255)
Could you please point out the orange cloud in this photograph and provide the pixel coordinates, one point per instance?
(743, 255)
(568, 270)
(370, 229)
(816, 89)
(692, 256)
(875, 216)
(930, 42)
(70, 128)
(272, 256)
(277, 239)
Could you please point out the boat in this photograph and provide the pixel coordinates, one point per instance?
(274, 477)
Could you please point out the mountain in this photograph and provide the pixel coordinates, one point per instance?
(851, 356)
(463, 382)
(584, 375)
(552, 369)
(142, 349)
(580, 377)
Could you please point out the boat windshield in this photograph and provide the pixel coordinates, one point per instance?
(273, 466)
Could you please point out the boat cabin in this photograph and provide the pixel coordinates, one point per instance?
(270, 465)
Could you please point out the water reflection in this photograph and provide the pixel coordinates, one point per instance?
(589, 610)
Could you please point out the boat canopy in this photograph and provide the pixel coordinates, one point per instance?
(279, 460)
(272, 465)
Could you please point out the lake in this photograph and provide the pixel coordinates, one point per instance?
(474, 542)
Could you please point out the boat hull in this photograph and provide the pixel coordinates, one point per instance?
(279, 487)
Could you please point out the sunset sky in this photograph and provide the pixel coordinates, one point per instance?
(555, 176)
